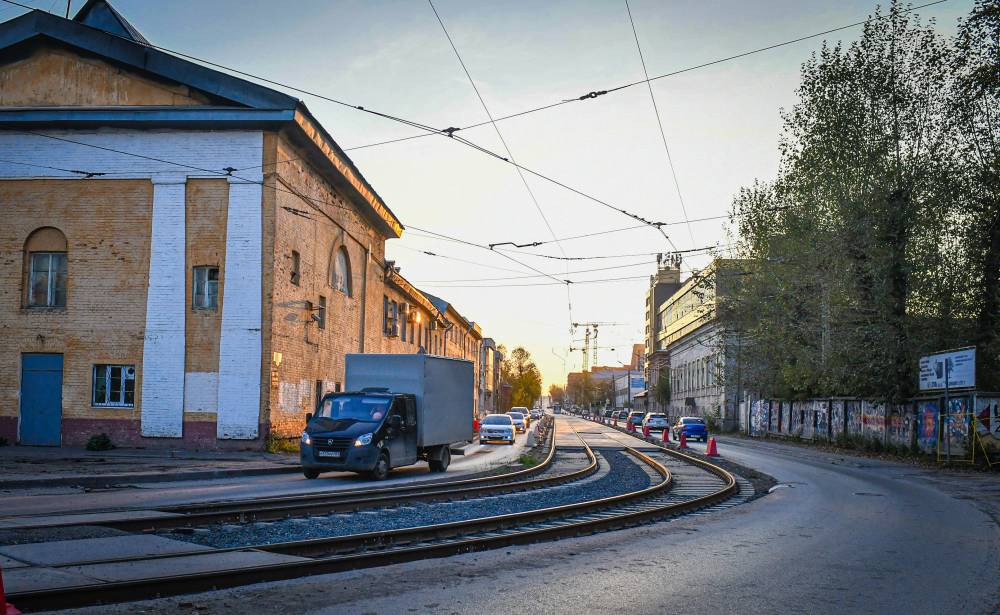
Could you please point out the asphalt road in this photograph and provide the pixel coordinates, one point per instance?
(839, 535)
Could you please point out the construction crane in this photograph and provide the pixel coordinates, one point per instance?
(589, 336)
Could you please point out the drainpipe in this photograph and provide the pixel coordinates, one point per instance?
(364, 298)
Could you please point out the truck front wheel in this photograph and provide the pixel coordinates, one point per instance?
(310, 473)
(381, 469)
(442, 465)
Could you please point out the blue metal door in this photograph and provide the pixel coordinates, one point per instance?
(41, 399)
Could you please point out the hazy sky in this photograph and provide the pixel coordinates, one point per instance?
(722, 125)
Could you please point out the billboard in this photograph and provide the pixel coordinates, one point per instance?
(954, 369)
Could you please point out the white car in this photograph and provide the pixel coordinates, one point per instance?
(536, 414)
(519, 423)
(656, 421)
(497, 427)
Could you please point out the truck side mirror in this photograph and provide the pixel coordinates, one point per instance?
(395, 421)
(309, 416)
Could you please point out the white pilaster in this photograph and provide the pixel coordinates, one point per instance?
(240, 344)
(162, 371)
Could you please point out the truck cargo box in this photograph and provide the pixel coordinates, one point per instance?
(443, 387)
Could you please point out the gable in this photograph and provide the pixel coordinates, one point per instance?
(48, 75)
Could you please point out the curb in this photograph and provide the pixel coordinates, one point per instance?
(111, 480)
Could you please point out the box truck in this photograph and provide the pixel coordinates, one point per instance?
(397, 409)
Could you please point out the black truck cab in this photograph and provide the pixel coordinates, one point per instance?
(369, 431)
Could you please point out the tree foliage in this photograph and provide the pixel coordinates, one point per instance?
(879, 240)
(523, 376)
(557, 393)
(662, 392)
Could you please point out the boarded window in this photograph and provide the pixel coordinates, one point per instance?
(114, 386)
(205, 294)
(296, 264)
(321, 312)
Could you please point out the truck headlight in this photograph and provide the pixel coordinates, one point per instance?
(306, 439)
(363, 440)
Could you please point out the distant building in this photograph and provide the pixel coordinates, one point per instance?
(664, 283)
(699, 353)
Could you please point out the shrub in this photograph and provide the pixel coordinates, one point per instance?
(276, 444)
(100, 442)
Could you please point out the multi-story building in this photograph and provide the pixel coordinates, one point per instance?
(700, 352)
(190, 256)
(664, 283)
(490, 378)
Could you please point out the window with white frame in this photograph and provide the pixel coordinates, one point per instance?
(47, 279)
(205, 294)
(114, 386)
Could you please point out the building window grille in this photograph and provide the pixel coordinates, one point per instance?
(205, 294)
(114, 386)
(296, 268)
(47, 280)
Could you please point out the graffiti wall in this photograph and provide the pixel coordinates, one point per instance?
(928, 423)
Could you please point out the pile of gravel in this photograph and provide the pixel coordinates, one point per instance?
(624, 474)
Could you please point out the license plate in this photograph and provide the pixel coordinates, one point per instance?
(329, 453)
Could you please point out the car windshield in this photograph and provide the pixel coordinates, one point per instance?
(354, 407)
(692, 421)
(497, 419)
(516, 415)
(657, 416)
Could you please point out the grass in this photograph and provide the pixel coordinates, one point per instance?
(275, 444)
(528, 460)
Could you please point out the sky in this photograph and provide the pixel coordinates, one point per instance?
(722, 124)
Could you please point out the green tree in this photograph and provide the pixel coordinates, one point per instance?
(557, 393)
(857, 255)
(662, 390)
(523, 376)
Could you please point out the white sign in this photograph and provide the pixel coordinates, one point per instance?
(958, 366)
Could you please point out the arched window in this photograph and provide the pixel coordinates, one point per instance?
(45, 268)
(342, 271)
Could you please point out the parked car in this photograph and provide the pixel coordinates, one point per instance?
(692, 427)
(524, 413)
(536, 414)
(635, 417)
(622, 415)
(519, 423)
(497, 427)
(607, 413)
(656, 421)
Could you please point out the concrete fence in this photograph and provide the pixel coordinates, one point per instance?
(924, 423)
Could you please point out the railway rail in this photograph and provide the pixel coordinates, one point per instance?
(325, 502)
(701, 486)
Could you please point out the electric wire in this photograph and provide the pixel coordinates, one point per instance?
(659, 121)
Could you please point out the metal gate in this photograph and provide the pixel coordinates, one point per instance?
(41, 399)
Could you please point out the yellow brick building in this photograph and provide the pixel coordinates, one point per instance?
(188, 256)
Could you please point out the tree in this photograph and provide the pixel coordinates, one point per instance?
(581, 390)
(867, 249)
(557, 393)
(662, 390)
(523, 376)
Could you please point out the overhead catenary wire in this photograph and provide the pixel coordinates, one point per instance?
(659, 122)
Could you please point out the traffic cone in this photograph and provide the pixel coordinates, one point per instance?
(712, 450)
(645, 431)
(8, 609)
(614, 421)
(684, 442)
(666, 434)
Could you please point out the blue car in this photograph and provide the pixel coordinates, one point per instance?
(692, 427)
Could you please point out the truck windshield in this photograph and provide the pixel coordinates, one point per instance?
(356, 407)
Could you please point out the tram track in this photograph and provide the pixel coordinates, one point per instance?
(702, 485)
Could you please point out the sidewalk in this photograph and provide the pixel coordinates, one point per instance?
(23, 467)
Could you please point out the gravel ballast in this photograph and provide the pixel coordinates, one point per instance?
(623, 474)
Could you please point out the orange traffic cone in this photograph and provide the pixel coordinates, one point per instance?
(684, 442)
(645, 431)
(614, 421)
(666, 434)
(5, 608)
(712, 450)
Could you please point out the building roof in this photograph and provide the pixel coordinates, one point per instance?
(101, 15)
(98, 29)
